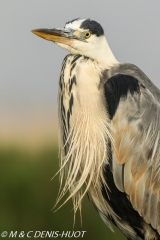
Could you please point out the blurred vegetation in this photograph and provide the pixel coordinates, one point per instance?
(27, 197)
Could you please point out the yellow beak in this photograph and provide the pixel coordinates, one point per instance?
(64, 36)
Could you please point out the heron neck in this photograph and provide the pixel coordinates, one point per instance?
(105, 57)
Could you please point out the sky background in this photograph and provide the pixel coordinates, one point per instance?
(30, 66)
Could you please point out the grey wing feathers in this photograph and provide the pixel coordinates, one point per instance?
(136, 149)
(134, 71)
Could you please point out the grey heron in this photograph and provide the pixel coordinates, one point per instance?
(109, 114)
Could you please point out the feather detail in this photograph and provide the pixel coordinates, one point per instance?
(84, 134)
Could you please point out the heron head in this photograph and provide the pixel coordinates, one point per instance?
(80, 36)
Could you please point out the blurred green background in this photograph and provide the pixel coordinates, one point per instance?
(28, 195)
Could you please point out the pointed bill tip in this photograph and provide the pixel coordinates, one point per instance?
(39, 33)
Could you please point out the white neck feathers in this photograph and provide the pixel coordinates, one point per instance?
(104, 55)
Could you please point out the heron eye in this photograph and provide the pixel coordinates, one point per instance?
(87, 35)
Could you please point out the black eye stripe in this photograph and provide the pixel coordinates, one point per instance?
(93, 27)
